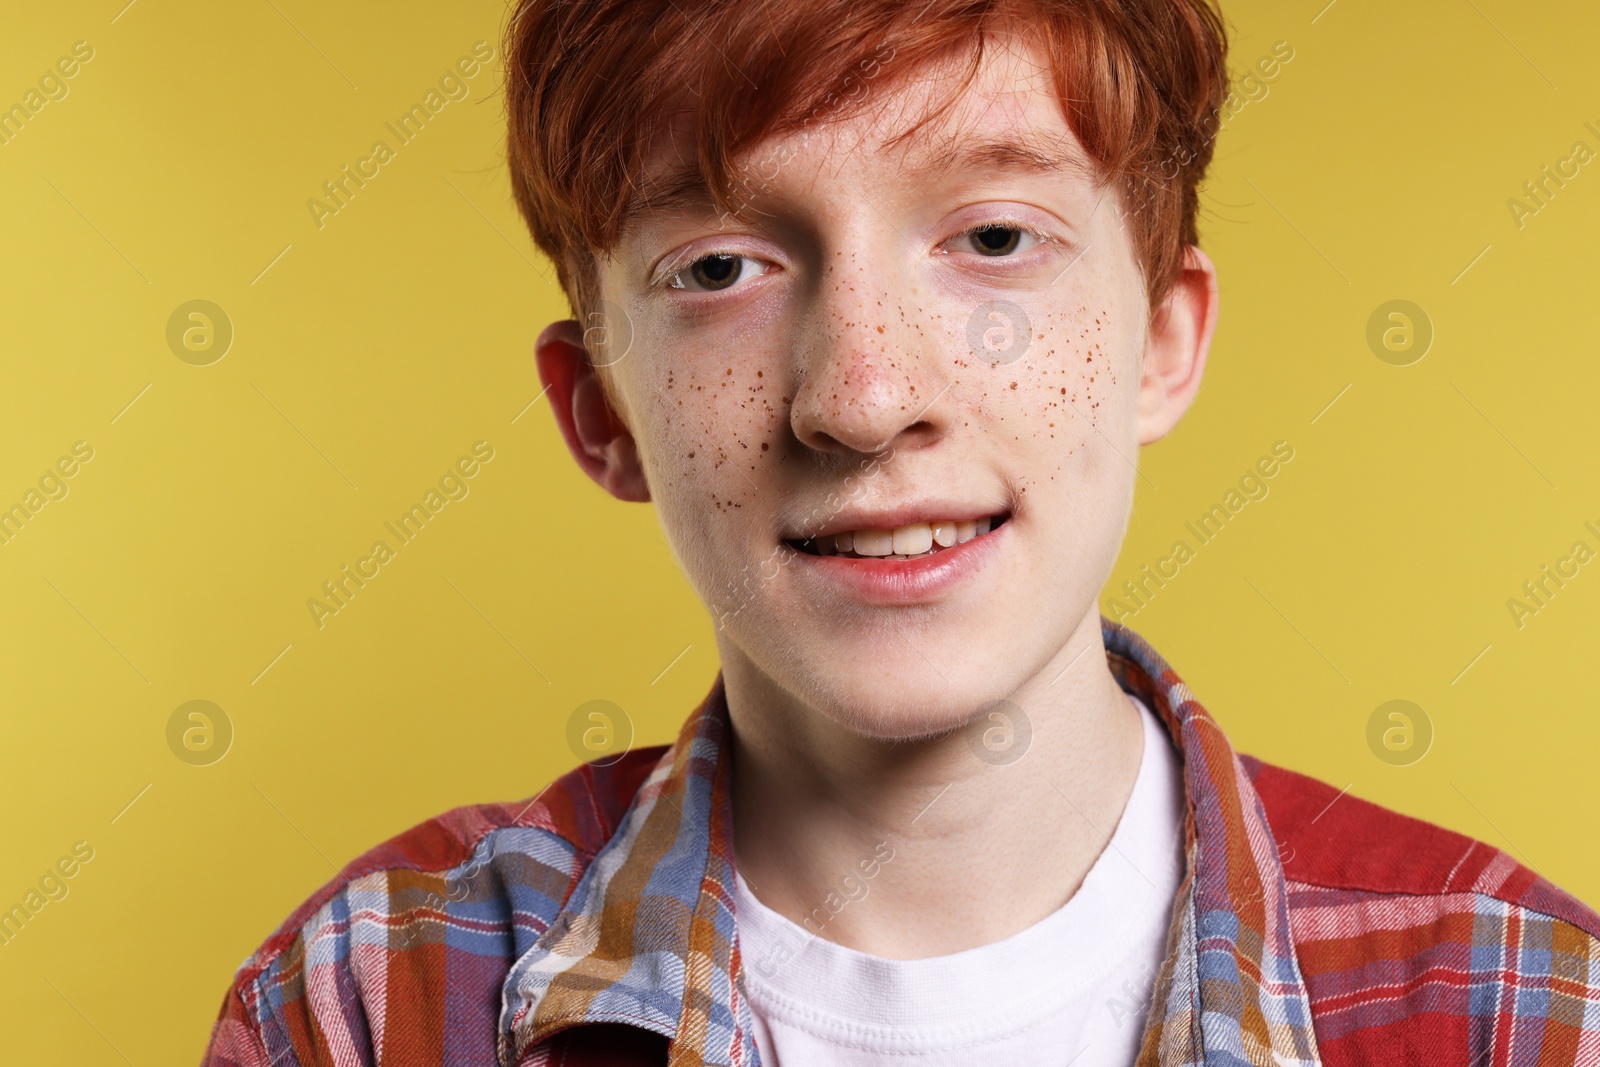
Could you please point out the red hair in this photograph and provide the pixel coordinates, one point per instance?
(592, 83)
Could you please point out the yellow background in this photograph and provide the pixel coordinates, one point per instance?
(370, 353)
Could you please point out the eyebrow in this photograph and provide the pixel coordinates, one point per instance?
(1025, 154)
(684, 189)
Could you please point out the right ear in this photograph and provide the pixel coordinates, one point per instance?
(598, 439)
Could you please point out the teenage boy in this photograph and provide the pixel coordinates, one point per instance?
(876, 303)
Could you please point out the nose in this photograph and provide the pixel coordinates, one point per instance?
(873, 374)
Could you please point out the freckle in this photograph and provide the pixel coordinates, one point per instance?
(1013, 385)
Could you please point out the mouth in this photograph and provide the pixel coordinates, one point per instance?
(919, 540)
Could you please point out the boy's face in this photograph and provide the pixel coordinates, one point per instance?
(848, 361)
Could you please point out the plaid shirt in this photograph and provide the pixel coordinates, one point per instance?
(595, 924)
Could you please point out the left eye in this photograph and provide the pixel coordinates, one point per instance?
(999, 239)
(718, 271)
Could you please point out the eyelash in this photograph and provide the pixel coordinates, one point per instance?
(668, 273)
(1010, 224)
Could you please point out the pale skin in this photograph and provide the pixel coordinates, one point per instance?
(841, 335)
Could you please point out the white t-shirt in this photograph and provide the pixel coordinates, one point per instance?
(1074, 988)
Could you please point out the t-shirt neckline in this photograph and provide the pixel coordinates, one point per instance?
(980, 993)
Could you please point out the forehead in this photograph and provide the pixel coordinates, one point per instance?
(931, 124)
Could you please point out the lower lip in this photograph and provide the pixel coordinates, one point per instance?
(907, 581)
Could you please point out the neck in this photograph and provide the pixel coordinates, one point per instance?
(909, 849)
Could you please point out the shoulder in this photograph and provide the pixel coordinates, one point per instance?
(1331, 839)
(434, 917)
(1413, 937)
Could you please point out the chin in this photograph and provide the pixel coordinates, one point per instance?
(903, 698)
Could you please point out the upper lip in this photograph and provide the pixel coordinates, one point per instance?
(860, 517)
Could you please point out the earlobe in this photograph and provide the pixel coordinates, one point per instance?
(595, 434)
(1177, 347)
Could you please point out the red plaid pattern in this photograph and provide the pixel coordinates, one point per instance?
(595, 925)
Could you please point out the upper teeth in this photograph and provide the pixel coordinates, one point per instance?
(912, 540)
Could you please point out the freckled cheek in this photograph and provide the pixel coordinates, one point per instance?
(1074, 363)
(707, 437)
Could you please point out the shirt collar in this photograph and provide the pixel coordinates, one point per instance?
(647, 936)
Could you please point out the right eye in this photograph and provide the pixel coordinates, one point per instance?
(714, 272)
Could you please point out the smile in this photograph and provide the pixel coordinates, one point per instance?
(918, 540)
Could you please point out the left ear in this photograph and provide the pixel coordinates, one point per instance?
(1176, 349)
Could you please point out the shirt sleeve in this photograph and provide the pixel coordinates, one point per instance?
(235, 1040)
(275, 1015)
